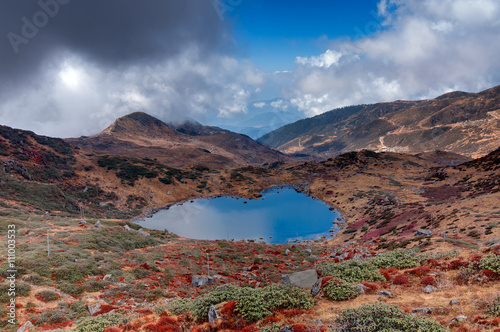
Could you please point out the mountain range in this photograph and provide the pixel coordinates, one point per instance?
(459, 122)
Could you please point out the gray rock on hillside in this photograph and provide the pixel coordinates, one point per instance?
(430, 289)
(425, 232)
(302, 279)
(386, 293)
(201, 281)
(315, 289)
(25, 327)
(213, 315)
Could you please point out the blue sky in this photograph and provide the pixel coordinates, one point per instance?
(272, 33)
(71, 69)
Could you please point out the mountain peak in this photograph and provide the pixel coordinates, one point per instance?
(138, 123)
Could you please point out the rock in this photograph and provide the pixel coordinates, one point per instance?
(82, 222)
(143, 232)
(430, 289)
(106, 277)
(98, 224)
(25, 327)
(201, 281)
(385, 293)
(308, 251)
(381, 298)
(128, 228)
(425, 232)
(315, 288)
(302, 279)
(286, 329)
(93, 309)
(287, 252)
(212, 314)
(424, 310)
(361, 288)
(459, 319)
(452, 302)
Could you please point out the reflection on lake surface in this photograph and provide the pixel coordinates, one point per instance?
(280, 215)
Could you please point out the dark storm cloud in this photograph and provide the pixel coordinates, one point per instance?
(111, 33)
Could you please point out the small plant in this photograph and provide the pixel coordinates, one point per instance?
(495, 307)
(339, 290)
(428, 280)
(47, 296)
(351, 271)
(382, 317)
(490, 262)
(101, 322)
(400, 279)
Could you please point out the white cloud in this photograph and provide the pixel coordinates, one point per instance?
(427, 48)
(325, 60)
(259, 104)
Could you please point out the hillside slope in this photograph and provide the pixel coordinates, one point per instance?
(140, 135)
(459, 122)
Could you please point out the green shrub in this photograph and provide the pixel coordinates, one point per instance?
(254, 303)
(178, 307)
(140, 272)
(399, 258)
(381, 317)
(490, 262)
(71, 289)
(22, 288)
(339, 290)
(47, 295)
(495, 307)
(351, 271)
(101, 322)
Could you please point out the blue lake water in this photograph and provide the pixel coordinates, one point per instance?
(280, 215)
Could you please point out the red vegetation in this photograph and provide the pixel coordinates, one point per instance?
(432, 262)
(371, 287)
(392, 270)
(228, 309)
(144, 311)
(301, 327)
(400, 279)
(456, 264)
(112, 329)
(325, 280)
(105, 308)
(386, 274)
(429, 280)
(491, 274)
(419, 271)
(292, 312)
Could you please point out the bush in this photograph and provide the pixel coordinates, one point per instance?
(339, 290)
(400, 258)
(490, 262)
(255, 304)
(178, 307)
(495, 307)
(351, 271)
(381, 317)
(47, 296)
(400, 280)
(101, 322)
(429, 280)
(22, 288)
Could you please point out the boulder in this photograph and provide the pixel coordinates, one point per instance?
(98, 224)
(424, 310)
(459, 319)
(302, 279)
(361, 288)
(286, 329)
(128, 228)
(201, 281)
(25, 327)
(212, 314)
(93, 309)
(452, 302)
(287, 252)
(106, 277)
(421, 232)
(430, 289)
(385, 293)
(143, 232)
(315, 289)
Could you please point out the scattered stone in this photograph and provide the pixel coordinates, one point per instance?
(93, 309)
(430, 289)
(103, 204)
(315, 288)
(452, 302)
(459, 319)
(201, 281)
(424, 310)
(319, 321)
(143, 232)
(386, 293)
(381, 298)
(25, 327)
(82, 222)
(361, 288)
(286, 329)
(308, 251)
(98, 224)
(302, 279)
(287, 252)
(106, 277)
(212, 314)
(421, 232)
(128, 228)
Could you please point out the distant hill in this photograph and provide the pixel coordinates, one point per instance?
(140, 135)
(459, 122)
